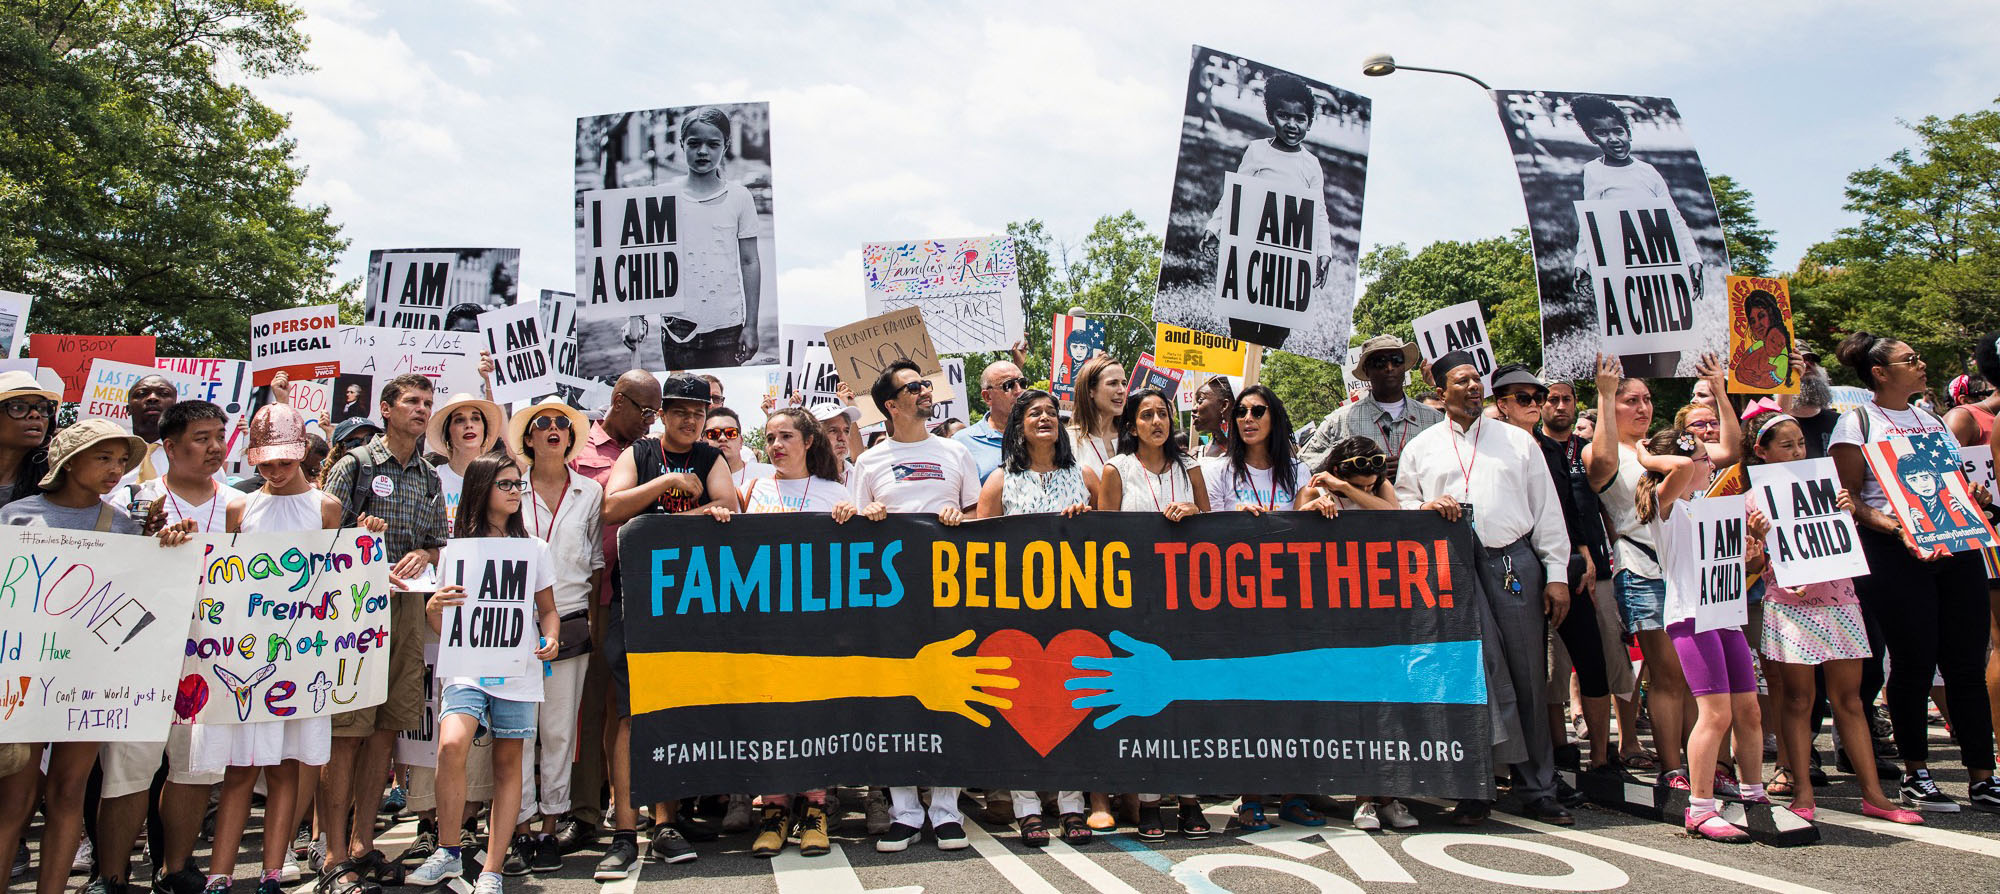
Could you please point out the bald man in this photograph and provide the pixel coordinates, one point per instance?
(999, 385)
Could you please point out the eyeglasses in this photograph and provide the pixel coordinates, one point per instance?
(1014, 384)
(1526, 398)
(723, 434)
(1373, 464)
(645, 411)
(514, 484)
(1703, 424)
(917, 387)
(715, 400)
(1912, 360)
(1386, 359)
(544, 423)
(1254, 411)
(19, 409)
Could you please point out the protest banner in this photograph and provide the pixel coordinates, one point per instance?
(299, 341)
(13, 322)
(558, 311)
(861, 351)
(1281, 652)
(1186, 349)
(968, 289)
(1460, 327)
(110, 384)
(1645, 278)
(1760, 337)
(370, 356)
(1812, 539)
(514, 339)
(495, 631)
(288, 626)
(1928, 493)
(1072, 341)
(1718, 543)
(312, 399)
(1148, 374)
(90, 634)
(70, 356)
(418, 747)
(949, 402)
(439, 288)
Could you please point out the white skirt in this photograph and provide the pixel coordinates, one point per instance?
(216, 746)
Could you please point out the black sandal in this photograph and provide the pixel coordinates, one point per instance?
(330, 881)
(383, 870)
(1034, 832)
(1075, 830)
(1194, 826)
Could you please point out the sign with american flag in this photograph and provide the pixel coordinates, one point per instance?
(1927, 492)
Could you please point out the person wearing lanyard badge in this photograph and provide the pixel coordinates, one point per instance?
(1100, 397)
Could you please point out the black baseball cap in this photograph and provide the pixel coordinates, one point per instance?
(351, 424)
(684, 386)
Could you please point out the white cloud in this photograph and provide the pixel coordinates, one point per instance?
(421, 137)
(474, 63)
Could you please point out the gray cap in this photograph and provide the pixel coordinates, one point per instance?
(1516, 374)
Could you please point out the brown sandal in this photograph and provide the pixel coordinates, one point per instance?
(1781, 785)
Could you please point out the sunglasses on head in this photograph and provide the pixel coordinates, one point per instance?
(917, 387)
(1526, 398)
(1254, 411)
(723, 433)
(544, 423)
(1372, 464)
(19, 409)
(514, 484)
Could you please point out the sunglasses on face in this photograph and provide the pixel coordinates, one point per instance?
(723, 434)
(1372, 464)
(917, 387)
(1384, 361)
(514, 484)
(19, 409)
(544, 423)
(1525, 398)
(1254, 411)
(645, 411)
(1014, 384)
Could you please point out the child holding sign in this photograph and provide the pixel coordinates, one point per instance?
(489, 507)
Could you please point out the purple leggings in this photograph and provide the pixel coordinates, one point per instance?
(1714, 661)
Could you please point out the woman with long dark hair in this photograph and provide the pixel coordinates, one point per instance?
(1258, 474)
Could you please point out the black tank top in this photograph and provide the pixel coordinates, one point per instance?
(651, 460)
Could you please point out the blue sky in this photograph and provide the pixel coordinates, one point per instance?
(451, 122)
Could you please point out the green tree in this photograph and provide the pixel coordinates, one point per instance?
(1310, 388)
(1497, 272)
(1750, 244)
(145, 192)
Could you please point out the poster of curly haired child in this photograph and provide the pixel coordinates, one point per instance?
(1264, 233)
(1760, 337)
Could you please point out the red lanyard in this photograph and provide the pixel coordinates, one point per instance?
(174, 507)
(1155, 488)
(1273, 504)
(535, 510)
(1464, 467)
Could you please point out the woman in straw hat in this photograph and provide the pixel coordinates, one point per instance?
(459, 432)
(27, 419)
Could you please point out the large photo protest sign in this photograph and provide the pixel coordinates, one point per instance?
(93, 622)
(861, 351)
(1118, 651)
(439, 288)
(1928, 493)
(70, 356)
(1263, 235)
(1812, 539)
(969, 289)
(370, 356)
(1460, 327)
(297, 341)
(495, 631)
(675, 205)
(1718, 547)
(1760, 337)
(515, 340)
(1072, 340)
(288, 626)
(1629, 257)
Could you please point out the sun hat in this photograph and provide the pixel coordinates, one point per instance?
(21, 383)
(277, 432)
(517, 427)
(1382, 343)
(496, 420)
(77, 438)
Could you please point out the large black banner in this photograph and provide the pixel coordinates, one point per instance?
(1110, 652)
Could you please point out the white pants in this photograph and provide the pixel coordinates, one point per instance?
(555, 738)
(129, 766)
(1027, 804)
(907, 809)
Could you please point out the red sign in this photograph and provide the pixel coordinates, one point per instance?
(70, 356)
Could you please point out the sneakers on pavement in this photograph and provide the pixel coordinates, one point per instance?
(670, 846)
(738, 818)
(897, 839)
(490, 883)
(950, 837)
(1985, 795)
(1921, 792)
(876, 808)
(1398, 815)
(442, 865)
(619, 859)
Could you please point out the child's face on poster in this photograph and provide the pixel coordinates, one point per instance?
(1290, 119)
(1611, 136)
(703, 146)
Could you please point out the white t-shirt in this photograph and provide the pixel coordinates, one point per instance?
(1394, 410)
(528, 687)
(1881, 424)
(1682, 570)
(1227, 492)
(751, 471)
(769, 494)
(454, 486)
(915, 476)
(209, 516)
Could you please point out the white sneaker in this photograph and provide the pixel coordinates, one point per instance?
(1398, 815)
(1365, 817)
(738, 818)
(86, 856)
(288, 873)
(490, 883)
(441, 865)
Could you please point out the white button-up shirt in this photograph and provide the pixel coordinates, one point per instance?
(574, 531)
(1499, 470)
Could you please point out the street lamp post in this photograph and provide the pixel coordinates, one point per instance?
(1382, 65)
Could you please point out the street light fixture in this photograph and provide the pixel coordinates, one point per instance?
(1382, 65)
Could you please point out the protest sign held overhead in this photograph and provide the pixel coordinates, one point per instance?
(1193, 351)
(515, 340)
(817, 377)
(1812, 539)
(496, 630)
(1263, 234)
(949, 401)
(1116, 651)
(1760, 337)
(1927, 492)
(1460, 327)
(795, 339)
(70, 356)
(969, 289)
(370, 356)
(301, 342)
(14, 322)
(1147, 373)
(95, 626)
(1072, 341)
(1629, 255)
(285, 627)
(675, 264)
(110, 386)
(1718, 546)
(863, 350)
(439, 288)
(558, 310)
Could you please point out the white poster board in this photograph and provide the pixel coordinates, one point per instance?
(1812, 539)
(1460, 327)
(1718, 543)
(514, 338)
(495, 632)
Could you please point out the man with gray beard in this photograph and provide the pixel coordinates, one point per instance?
(1811, 406)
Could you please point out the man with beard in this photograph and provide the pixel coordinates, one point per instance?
(1812, 405)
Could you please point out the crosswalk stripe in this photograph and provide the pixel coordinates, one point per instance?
(1971, 844)
(1015, 870)
(1090, 871)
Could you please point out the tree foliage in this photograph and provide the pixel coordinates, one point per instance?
(1749, 243)
(143, 191)
(1498, 272)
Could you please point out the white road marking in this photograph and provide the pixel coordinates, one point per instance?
(1087, 869)
(829, 873)
(1971, 844)
(1015, 870)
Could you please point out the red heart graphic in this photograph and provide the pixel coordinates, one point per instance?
(192, 696)
(1042, 712)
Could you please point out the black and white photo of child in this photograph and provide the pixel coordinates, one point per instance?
(479, 279)
(1304, 137)
(719, 159)
(1571, 147)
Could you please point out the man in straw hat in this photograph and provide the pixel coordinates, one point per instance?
(1386, 416)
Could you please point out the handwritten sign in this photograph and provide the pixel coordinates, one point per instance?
(225, 383)
(1928, 494)
(949, 402)
(1812, 540)
(286, 627)
(631, 249)
(495, 631)
(1643, 267)
(863, 350)
(110, 384)
(1187, 349)
(90, 634)
(371, 355)
(514, 339)
(1460, 327)
(1718, 542)
(298, 341)
(1266, 268)
(69, 356)
(1760, 337)
(968, 289)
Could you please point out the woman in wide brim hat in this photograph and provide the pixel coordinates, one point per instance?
(476, 431)
(519, 438)
(27, 419)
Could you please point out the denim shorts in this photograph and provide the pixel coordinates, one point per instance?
(505, 718)
(1642, 601)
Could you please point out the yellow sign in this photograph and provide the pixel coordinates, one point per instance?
(1187, 349)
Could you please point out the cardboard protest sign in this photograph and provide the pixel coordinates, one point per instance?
(1927, 493)
(558, 311)
(1460, 327)
(1072, 341)
(312, 399)
(1193, 351)
(495, 632)
(515, 340)
(70, 356)
(1098, 621)
(370, 356)
(969, 289)
(439, 288)
(676, 265)
(1812, 539)
(949, 402)
(1629, 254)
(1718, 544)
(298, 341)
(110, 383)
(1760, 337)
(418, 747)
(1148, 374)
(13, 322)
(863, 350)
(285, 627)
(91, 633)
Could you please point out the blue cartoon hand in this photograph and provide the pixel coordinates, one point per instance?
(1138, 685)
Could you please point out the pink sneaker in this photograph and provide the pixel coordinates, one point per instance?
(1893, 814)
(1710, 825)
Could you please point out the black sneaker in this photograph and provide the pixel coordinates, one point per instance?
(424, 846)
(1985, 795)
(100, 885)
(619, 859)
(1878, 723)
(185, 880)
(302, 842)
(897, 839)
(1567, 795)
(692, 829)
(669, 846)
(270, 886)
(546, 855)
(1921, 792)
(573, 835)
(950, 837)
(518, 852)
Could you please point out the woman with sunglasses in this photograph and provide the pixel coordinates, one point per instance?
(724, 431)
(460, 431)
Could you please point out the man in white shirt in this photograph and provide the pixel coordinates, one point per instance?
(999, 384)
(1498, 471)
(913, 470)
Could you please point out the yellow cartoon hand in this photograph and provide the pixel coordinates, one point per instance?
(947, 682)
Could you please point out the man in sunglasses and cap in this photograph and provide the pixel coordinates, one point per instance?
(1386, 416)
